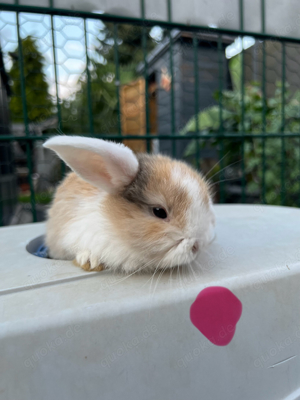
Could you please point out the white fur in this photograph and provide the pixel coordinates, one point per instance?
(101, 244)
(88, 235)
(199, 214)
(86, 156)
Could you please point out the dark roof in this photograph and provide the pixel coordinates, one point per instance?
(161, 48)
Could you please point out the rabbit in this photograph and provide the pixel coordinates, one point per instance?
(124, 211)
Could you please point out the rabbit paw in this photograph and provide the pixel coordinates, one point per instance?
(87, 261)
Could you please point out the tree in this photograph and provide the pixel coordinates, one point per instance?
(38, 100)
(75, 112)
(129, 46)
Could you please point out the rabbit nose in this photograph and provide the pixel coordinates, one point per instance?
(195, 247)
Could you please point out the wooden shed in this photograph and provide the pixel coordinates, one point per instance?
(133, 112)
(159, 83)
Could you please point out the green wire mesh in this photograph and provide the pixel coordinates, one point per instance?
(227, 103)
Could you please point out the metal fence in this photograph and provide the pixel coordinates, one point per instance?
(226, 101)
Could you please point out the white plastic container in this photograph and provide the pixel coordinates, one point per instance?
(67, 334)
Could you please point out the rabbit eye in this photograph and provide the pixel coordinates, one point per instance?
(159, 212)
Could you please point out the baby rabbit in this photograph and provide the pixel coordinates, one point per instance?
(126, 211)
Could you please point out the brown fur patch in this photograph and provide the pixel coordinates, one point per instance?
(176, 197)
(74, 185)
(135, 192)
(153, 186)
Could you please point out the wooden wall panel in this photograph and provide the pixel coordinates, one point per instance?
(132, 101)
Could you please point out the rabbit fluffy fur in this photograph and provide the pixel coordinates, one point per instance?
(102, 213)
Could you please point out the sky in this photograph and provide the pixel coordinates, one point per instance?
(69, 43)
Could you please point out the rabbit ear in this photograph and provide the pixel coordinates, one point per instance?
(107, 165)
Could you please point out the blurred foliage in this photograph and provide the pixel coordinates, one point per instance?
(103, 100)
(75, 110)
(279, 152)
(75, 113)
(38, 99)
(130, 44)
(40, 198)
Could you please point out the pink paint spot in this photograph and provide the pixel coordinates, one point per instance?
(215, 312)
